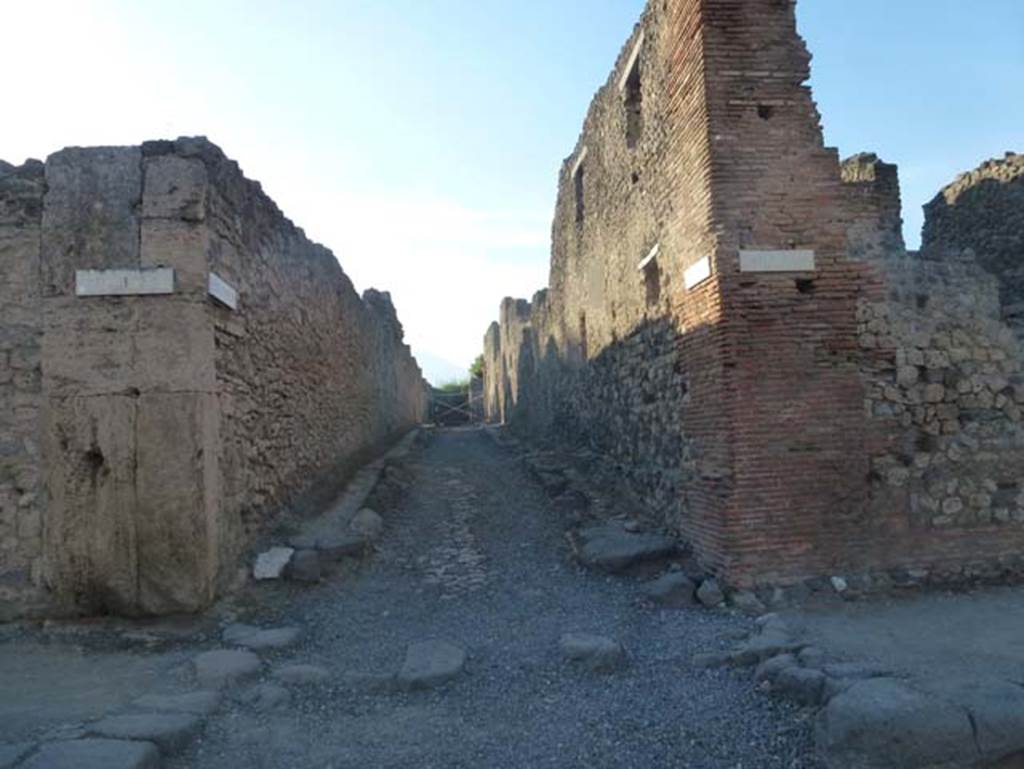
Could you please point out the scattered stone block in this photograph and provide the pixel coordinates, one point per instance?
(709, 660)
(196, 703)
(225, 667)
(710, 594)
(367, 524)
(302, 674)
(171, 732)
(272, 563)
(609, 547)
(594, 652)
(771, 667)
(768, 644)
(95, 754)
(343, 546)
(881, 723)
(673, 590)
(747, 602)
(812, 657)
(305, 566)
(234, 633)
(804, 685)
(429, 664)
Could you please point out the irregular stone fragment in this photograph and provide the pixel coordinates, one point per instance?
(367, 523)
(881, 724)
(265, 697)
(997, 710)
(804, 685)
(429, 664)
(11, 754)
(236, 632)
(768, 644)
(197, 703)
(747, 602)
(708, 660)
(611, 548)
(273, 638)
(95, 754)
(594, 652)
(224, 667)
(771, 667)
(672, 590)
(305, 566)
(170, 732)
(272, 563)
(302, 674)
(710, 594)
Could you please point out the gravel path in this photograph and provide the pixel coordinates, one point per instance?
(476, 555)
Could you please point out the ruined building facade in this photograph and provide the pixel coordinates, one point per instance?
(179, 367)
(733, 319)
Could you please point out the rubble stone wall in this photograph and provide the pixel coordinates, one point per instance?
(167, 430)
(851, 414)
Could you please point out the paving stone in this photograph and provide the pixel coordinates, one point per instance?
(997, 708)
(881, 723)
(594, 652)
(710, 594)
(367, 523)
(234, 633)
(95, 754)
(272, 638)
(197, 703)
(265, 697)
(171, 732)
(429, 664)
(272, 563)
(673, 590)
(12, 753)
(305, 566)
(609, 547)
(225, 666)
(302, 674)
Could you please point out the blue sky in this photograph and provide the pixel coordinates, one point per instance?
(421, 139)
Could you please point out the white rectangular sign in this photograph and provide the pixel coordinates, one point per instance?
(122, 282)
(223, 291)
(697, 273)
(776, 261)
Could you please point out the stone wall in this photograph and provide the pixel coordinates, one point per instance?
(171, 427)
(21, 490)
(729, 309)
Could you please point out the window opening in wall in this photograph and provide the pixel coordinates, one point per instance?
(765, 112)
(652, 276)
(577, 180)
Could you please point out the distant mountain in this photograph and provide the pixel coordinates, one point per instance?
(437, 370)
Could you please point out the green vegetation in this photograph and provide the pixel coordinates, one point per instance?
(455, 386)
(477, 369)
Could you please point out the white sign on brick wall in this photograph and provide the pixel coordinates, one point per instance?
(776, 261)
(697, 273)
(223, 291)
(124, 282)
